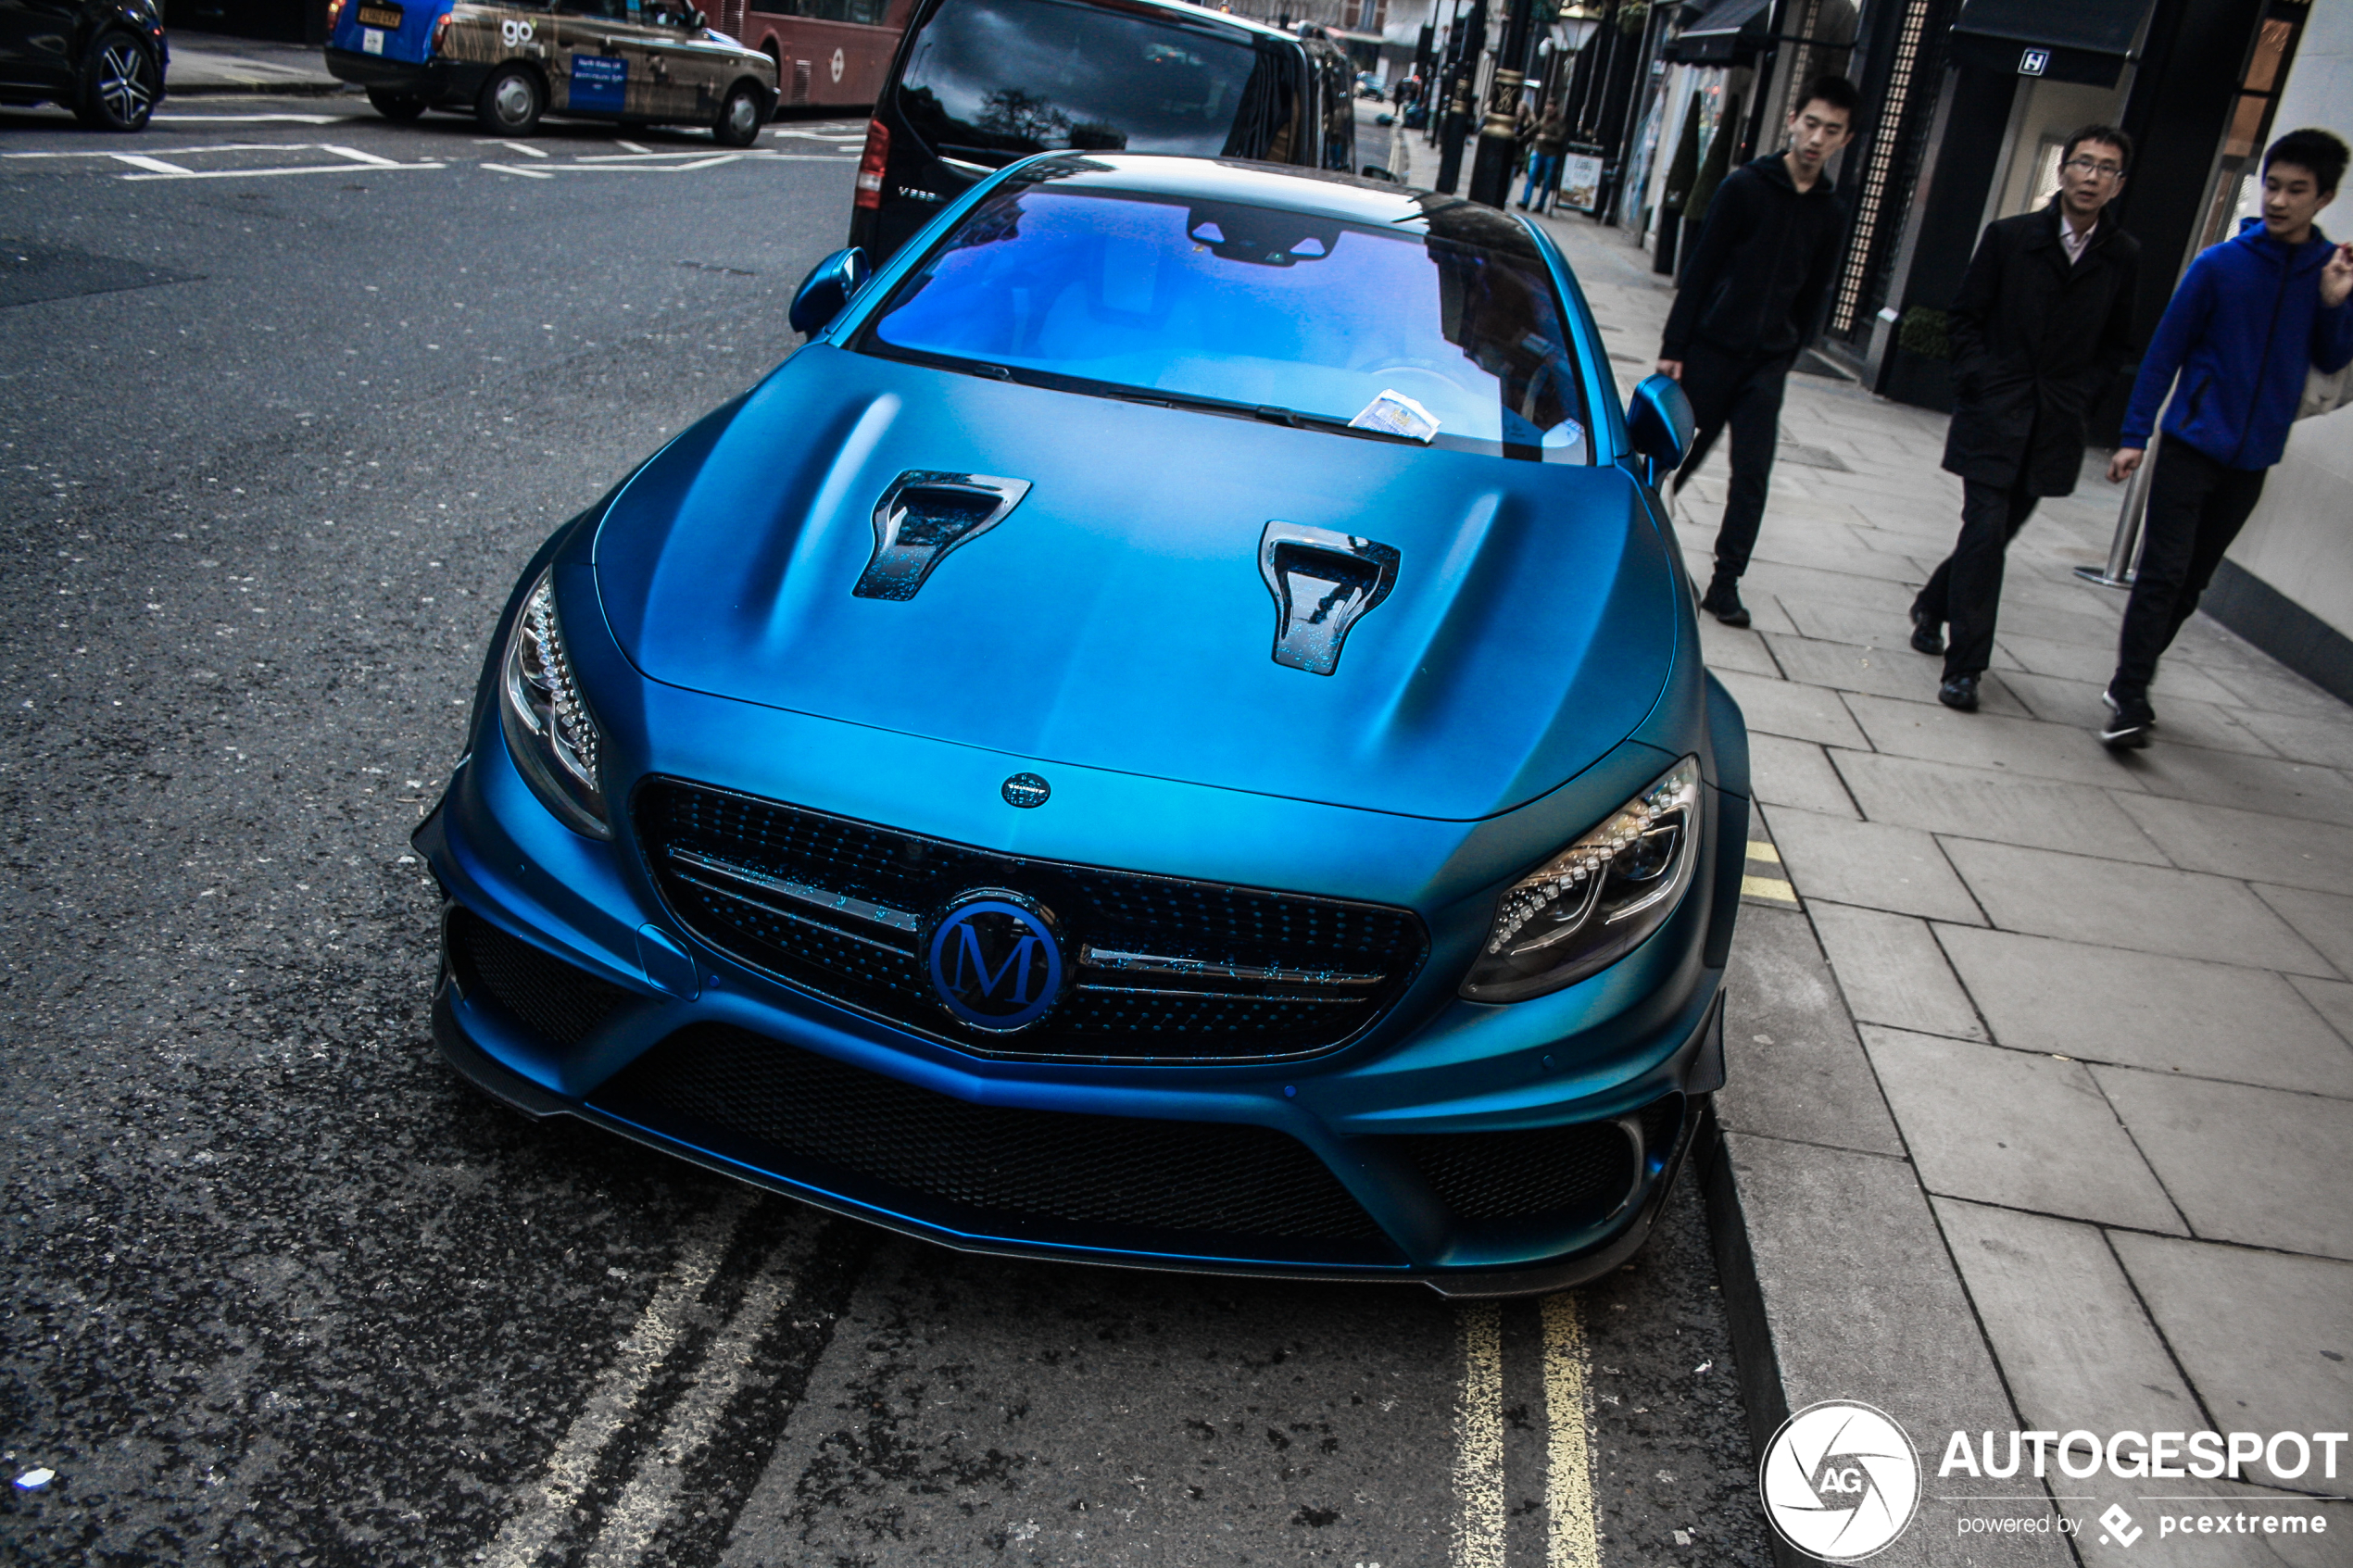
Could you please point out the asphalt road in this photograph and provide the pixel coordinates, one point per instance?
(284, 405)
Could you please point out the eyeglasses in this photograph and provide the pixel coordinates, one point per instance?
(2092, 166)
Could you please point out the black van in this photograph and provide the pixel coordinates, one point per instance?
(977, 84)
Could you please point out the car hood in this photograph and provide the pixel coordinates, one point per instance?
(1117, 618)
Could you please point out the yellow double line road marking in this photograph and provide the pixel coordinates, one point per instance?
(1763, 876)
(1572, 1538)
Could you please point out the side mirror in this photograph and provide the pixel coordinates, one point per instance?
(1658, 417)
(831, 283)
(1374, 172)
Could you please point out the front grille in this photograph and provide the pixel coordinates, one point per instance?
(1577, 1172)
(1188, 1186)
(557, 1000)
(1161, 969)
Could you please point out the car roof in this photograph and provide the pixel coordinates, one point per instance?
(1286, 186)
(1178, 10)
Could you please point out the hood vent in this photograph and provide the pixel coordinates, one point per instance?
(923, 517)
(1323, 582)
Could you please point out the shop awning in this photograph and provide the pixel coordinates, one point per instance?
(1728, 32)
(2086, 41)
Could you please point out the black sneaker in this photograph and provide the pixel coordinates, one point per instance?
(2148, 714)
(1928, 635)
(1723, 602)
(1959, 692)
(2128, 728)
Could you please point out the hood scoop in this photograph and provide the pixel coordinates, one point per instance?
(1324, 582)
(922, 518)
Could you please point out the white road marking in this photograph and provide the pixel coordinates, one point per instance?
(242, 174)
(179, 152)
(155, 164)
(511, 169)
(525, 148)
(547, 1508)
(633, 147)
(1479, 1457)
(1574, 1537)
(356, 156)
(652, 1497)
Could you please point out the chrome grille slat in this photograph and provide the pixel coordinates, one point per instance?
(1163, 970)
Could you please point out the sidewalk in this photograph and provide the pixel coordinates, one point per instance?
(206, 65)
(2040, 1106)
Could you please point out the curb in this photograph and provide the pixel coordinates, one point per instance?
(1763, 1396)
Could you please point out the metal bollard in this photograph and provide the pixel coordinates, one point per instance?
(2124, 550)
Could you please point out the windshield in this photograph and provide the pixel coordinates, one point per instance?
(1255, 308)
(995, 80)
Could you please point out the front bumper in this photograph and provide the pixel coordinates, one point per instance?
(1613, 1069)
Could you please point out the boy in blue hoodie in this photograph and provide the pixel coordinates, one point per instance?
(2251, 316)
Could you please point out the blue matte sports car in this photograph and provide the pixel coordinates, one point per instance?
(1171, 733)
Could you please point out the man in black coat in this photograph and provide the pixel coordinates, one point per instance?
(2043, 324)
(1751, 294)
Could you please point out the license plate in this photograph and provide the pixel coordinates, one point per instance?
(379, 16)
(371, 41)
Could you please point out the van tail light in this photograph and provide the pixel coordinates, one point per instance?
(869, 165)
(441, 30)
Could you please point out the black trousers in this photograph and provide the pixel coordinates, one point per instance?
(1965, 591)
(2196, 507)
(1742, 392)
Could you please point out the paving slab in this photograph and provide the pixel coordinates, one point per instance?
(1735, 647)
(2281, 1360)
(2230, 778)
(2020, 747)
(2073, 661)
(1786, 707)
(1881, 617)
(2186, 721)
(2262, 1167)
(1895, 671)
(2165, 1014)
(1851, 1279)
(2075, 1345)
(2016, 1128)
(2272, 688)
(1793, 1067)
(1986, 803)
(1892, 972)
(2325, 920)
(1871, 864)
(1795, 773)
(2145, 908)
(2259, 846)
(2307, 739)
(2333, 1000)
(1880, 594)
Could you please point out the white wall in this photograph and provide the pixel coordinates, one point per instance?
(2300, 539)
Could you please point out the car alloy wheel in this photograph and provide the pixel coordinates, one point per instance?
(121, 85)
(511, 103)
(739, 118)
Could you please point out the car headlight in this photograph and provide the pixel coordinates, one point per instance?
(554, 742)
(1588, 906)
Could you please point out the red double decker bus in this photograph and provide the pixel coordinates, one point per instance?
(829, 54)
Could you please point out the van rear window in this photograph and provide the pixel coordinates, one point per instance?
(995, 80)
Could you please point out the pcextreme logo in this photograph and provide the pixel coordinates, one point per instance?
(1841, 1481)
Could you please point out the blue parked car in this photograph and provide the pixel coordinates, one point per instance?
(1172, 732)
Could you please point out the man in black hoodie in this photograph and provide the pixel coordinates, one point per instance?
(1752, 295)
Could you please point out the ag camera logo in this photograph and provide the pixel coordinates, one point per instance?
(1839, 1481)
